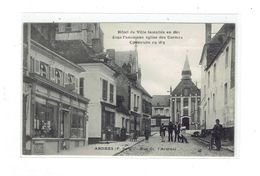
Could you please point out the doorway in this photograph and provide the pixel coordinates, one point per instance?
(186, 122)
(65, 124)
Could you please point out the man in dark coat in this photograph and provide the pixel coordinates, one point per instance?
(177, 130)
(217, 133)
(170, 130)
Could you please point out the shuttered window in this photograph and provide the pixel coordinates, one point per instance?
(104, 90)
(111, 94)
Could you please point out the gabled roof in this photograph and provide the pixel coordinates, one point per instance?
(161, 100)
(215, 46)
(186, 84)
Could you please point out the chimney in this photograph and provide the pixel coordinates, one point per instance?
(111, 53)
(96, 45)
(208, 32)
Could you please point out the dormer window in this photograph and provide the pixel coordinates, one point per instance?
(58, 76)
(44, 70)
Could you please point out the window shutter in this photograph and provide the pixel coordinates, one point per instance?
(61, 78)
(31, 64)
(65, 78)
(37, 66)
(76, 84)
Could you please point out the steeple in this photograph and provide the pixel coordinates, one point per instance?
(186, 72)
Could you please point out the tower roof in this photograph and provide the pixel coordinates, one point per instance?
(186, 72)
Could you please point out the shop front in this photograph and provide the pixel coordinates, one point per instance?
(108, 129)
(55, 120)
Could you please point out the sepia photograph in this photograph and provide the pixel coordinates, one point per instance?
(129, 89)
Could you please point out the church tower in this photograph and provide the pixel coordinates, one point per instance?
(186, 72)
(185, 100)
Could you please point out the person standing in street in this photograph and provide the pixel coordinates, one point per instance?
(146, 134)
(217, 133)
(177, 130)
(162, 132)
(170, 130)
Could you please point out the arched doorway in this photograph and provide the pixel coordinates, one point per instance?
(186, 122)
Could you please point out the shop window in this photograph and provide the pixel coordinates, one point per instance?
(104, 90)
(44, 70)
(111, 95)
(45, 123)
(77, 124)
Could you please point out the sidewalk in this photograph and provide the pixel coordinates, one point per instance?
(102, 149)
(224, 144)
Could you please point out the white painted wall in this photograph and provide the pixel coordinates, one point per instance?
(224, 112)
(137, 93)
(93, 76)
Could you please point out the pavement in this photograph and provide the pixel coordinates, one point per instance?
(103, 149)
(224, 144)
(153, 147)
(157, 148)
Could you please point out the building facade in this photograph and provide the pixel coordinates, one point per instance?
(185, 100)
(160, 111)
(218, 79)
(54, 114)
(101, 90)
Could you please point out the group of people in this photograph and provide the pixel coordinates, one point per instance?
(179, 132)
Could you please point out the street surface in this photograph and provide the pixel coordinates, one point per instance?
(157, 148)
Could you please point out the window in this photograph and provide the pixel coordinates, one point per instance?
(137, 101)
(104, 90)
(214, 73)
(225, 93)
(81, 86)
(71, 79)
(185, 106)
(45, 123)
(44, 70)
(77, 124)
(68, 27)
(111, 95)
(226, 57)
(204, 90)
(31, 64)
(58, 76)
(186, 92)
(134, 100)
(209, 79)
(167, 111)
(123, 122)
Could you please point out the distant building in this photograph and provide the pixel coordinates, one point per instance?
(55, 115)
(218, 79)
(185, 100)
(160, 111)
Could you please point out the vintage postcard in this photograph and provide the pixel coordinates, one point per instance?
(129, 89)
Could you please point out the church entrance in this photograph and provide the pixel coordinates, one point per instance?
(186, 122)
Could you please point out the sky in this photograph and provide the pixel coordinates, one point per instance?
(161, 65)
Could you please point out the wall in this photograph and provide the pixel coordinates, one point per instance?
(137, 93)
(93, 76)
(224, 112)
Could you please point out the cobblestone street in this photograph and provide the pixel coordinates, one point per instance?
(157, 148)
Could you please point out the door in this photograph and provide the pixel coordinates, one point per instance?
(65, 124)
(186, 122)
